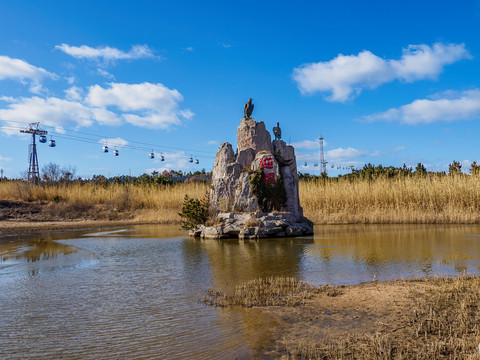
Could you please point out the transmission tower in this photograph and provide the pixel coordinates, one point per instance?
(33, 171)
(323, 163)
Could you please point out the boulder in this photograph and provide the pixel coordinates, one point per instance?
(253, 135)
(244, 199)
(224, 179)
(285, 155)
(245, 157)
(266, 161)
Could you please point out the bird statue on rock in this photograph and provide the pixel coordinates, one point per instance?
(248, 108)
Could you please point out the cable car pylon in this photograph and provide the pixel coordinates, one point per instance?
(33, 170)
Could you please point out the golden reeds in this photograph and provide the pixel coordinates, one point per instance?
(429, 200)
(447, 199)
(273, 291)
(145, 203)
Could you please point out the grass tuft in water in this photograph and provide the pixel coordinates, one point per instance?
(273, 291)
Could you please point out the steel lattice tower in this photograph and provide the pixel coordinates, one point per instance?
(323, 163)
(33, 170)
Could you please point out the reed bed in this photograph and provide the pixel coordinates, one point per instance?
(406, 199)
(444, 323)
(273, 291)
(144, 203)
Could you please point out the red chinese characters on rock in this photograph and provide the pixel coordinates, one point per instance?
(267, 166)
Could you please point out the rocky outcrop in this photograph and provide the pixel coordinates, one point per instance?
(253, 135)
(224, 178)
(285, 155)
(233, 200)
(256, 225)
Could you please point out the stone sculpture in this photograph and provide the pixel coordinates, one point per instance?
(277, 132)
(248, 109)
(244, 211)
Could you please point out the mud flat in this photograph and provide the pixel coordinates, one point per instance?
(423, 319)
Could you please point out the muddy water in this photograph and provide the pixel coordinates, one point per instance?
(134, 293)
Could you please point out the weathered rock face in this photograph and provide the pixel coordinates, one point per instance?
(231, 196)
(266, 161)
(244, 199)
(224, 178)
(253, 135)
(288, 168)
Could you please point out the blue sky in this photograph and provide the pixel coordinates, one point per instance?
(384, 82)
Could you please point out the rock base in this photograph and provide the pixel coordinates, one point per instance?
(255, 226)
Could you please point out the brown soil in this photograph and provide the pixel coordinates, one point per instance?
(17, 217)
(354, 310)
(390, 320)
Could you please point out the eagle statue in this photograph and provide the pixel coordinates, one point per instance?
(248, 108)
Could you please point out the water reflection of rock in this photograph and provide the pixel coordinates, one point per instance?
(235, 261)
(34, 250)
(227, 263)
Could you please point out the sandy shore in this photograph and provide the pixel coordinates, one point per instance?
(22, 227)
(423, 319)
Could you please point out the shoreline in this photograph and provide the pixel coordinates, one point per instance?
(422, 318)
(16, 228)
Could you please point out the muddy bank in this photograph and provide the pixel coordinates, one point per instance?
(422, 319)
(17, 217)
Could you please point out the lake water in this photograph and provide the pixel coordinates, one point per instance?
(134, 293)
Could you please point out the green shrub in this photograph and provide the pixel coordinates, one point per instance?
(270, 196)
(194, 212)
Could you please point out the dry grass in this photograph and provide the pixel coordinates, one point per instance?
(448, 199)
(274, 291)
(146, 203)
(444, 323)
(429, 200)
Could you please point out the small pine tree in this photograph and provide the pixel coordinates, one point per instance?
(455, 168)
(194, 212)
(474, 168)
(420, 170)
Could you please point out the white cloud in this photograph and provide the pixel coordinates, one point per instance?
(18, 69)
(212, 142)
(54, 112)
(190, 48)
(74, 93)
(148, 105)
(463, 105)
(105, 74)
(5, 159)
(308, 144)
(345, 76)
(106, 53)
(173, 161)
(343, 154)
(114, 141)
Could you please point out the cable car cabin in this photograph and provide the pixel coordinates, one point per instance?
(115, 152)
(43, 139)
(190, 160)
(105, 149)
(151, 155)
(162, 158)
(196, 161)
(51, 143)
(305, 164)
